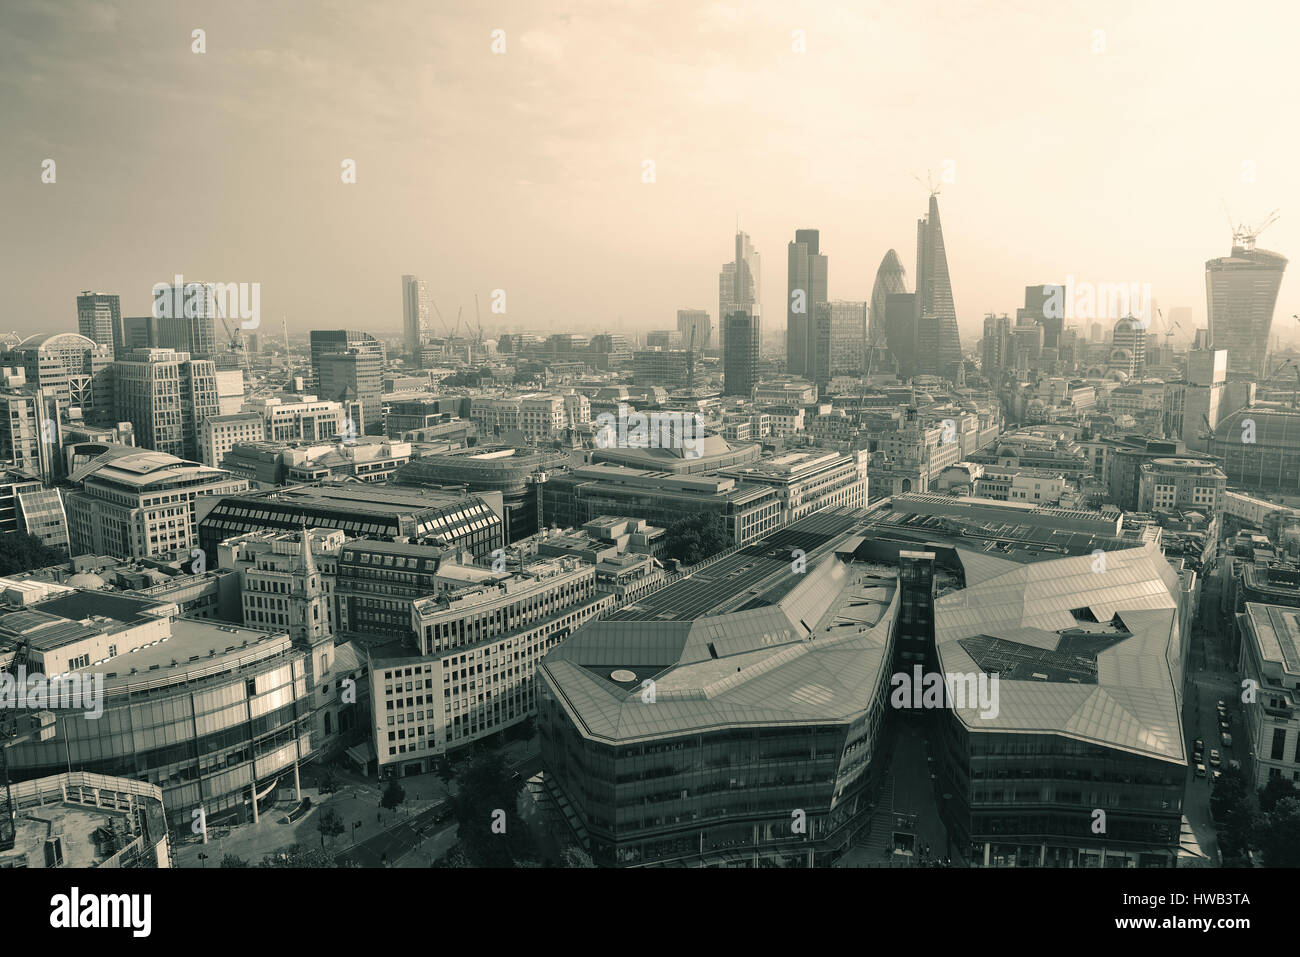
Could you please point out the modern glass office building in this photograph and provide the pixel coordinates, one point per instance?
(727, 725)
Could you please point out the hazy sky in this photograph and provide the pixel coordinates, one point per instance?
(523, 171)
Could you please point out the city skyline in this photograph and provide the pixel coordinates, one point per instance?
(546, 165)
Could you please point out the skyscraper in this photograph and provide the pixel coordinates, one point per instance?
(890, 278)
(167, 395)
(739, 284)
(900, 330)
(1035, 308)
(348, 366)
(1128, 349)
(185, 318)
(805, 287)
(1240, 294)
(415, 313)
(996, 347)
(841, 341)
(934, 295)
(740, 358)
(99, 318)
(695, 328)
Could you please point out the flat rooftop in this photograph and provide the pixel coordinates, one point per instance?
(754, 575)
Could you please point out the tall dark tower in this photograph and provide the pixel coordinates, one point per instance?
(740, 355)
(805, 287)
(934, 295)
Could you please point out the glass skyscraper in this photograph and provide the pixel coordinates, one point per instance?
(1240, 294)
(934, 294)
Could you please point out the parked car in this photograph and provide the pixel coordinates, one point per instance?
(1222, 706)
(1227, 739)
(1217, 774)
(1200, 769)
(1214, 758)
(1198, 746)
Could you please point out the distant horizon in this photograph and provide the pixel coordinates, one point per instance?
(597, 168)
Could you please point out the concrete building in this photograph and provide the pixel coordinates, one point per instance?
(661, 498)
(469, 673)
(76, 819)
(144, 503)
(1180, 483)
(219, 433)
(809, 481)
(448, 518)
(99, 319)
(348, 367)
(215, 715)
(166, 395)
(1270, 657)
(74, 368)
(741, 355)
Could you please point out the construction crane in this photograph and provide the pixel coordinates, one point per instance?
(478, 318)
(236, 343)
(1245, 236)
(447, 328)
(12, 734)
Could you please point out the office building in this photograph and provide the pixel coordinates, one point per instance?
(739, 285)
(1240, 295)
(1270, 660)
(840, 341)
(661, 498)
(1260, 448)
(167, 395)
(415, 314)
(891, 279)
(671, 368)
(806, 286)
(140, 504)
(517, 474)
(71, 367)
(386, 512)
(1181, 483)
(1192, 408)
(809, 481)
(1128, 348)
(220, 433)
(695, 329)
(469, 670)
(741, 352)
(348, 367)
(76, 819)
(216, 716)
(30, 432)
(185, 317)
(934, 296)
(737, 726)
(99, 319)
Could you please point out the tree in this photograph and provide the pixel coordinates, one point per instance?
(491, 832)
(574, 856)
(231, 860)
(1279, 838)
(1231, 792)
(295, 855)
(329, 824)
(695, 538)
(1277, 789)
(394, 794)
(20, 552)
